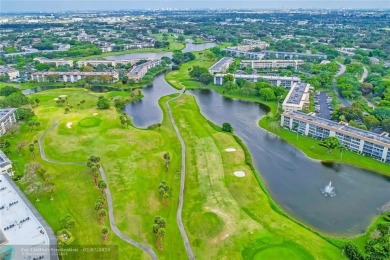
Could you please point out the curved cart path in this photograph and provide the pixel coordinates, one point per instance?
(110, 205)
(183, 233)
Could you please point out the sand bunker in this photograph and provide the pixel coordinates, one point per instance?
(239, 174)
(95, 114)
(69, 125)
(230, 150)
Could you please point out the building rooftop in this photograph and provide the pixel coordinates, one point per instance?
(295, 53)
(221, 63)
(341, 127)
(137, 69)
(18, 223)
(74, 73)
(296, 93)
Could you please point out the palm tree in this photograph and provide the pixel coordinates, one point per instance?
(104, 234)
(167, 159)
(98, 205)
(37, 124)
(31, 125)
(160, 237)
(95, 175)
(102, 186)
(31, 148)
(102, 214)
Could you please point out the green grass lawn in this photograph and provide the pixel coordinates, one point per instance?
(133, 161)
(226, 216)
(178, 78)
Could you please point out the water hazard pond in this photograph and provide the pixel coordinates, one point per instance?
(293, 180)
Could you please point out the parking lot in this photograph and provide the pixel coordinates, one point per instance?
(323, 104)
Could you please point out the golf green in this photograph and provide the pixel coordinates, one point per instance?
(90, 122)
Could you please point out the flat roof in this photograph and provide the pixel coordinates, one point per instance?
(20, 226)
(367, 135)
(137, 69)
(222, 62)
(294, 53)
(277, 61)
(74, 73)
(296, 93)
(293, 78)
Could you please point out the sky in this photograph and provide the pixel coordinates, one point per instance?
(84, 5)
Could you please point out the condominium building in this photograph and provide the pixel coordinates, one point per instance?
(256, 43)
(7, 119)
(56, 62)
(113, 63)
(10, 72)
(233, 51)
(24, 234)
(71, 76)
(138, 72)
(179, 31)
(163, 31)
(298, 98)
(271, 64)
(221, 66)
(286, 82)
(364, 142)
(292, 55)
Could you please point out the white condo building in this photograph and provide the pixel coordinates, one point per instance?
(272, 64)
(357, 140)
(221, 66)
(71, 76)
(286, 82)
(7, 119)
(56, 62)
(10, 72)
(113, 63)
(298, 98)
(138, 72)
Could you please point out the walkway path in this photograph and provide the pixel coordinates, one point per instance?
(362, 79)
(341, 71)
(179, 219)
(110, 205)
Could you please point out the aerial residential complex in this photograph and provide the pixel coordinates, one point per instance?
(271, 64)
(286, 82)
(138, 72)
(56, 62)
(221, 66)
(9, 71)
(7, 119)
(298, 98)
(113, 63)
(364, 142)
(71, 76)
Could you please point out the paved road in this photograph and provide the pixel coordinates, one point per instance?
(110, 205)
(179, 219)
(341, 71)
(324, 110)
(113, 226)
(362, 79)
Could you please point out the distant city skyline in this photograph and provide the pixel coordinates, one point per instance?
(91, 5)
